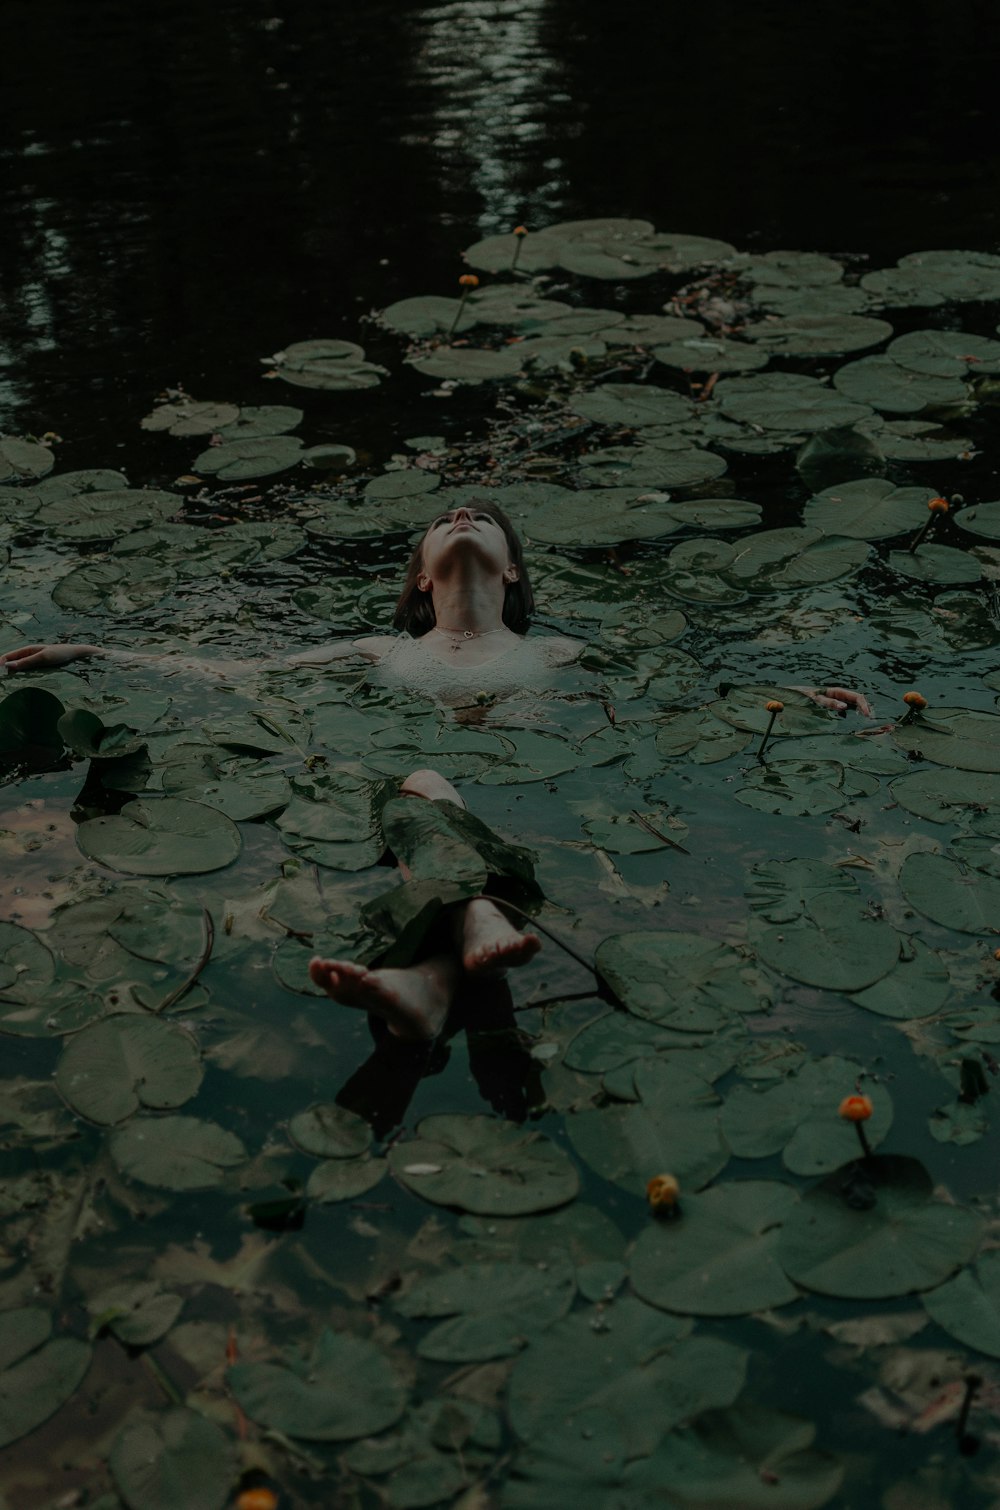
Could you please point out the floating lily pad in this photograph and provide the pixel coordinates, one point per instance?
(115, 586)
(20, 458)
(38, 1376)
(700, 352)
(681, 980)
(776, 559)
(633, 405)
(919, 985)
(195, 552)
(887, 386)
(164, 836)
(262, 419)
(936, 563)
(466, 364)
(26, 966)
(954, 737)
(945, 353)
(495, 1309)
(719, 1258)
(801, 788)
(107, 515)
(952, 894)
(867, 508)
(239, 460)
(336, 365)
(817, 335)
(874, 1229)
(329, 1131)
(786, 401)
(176, 1153)
(833, 943)
(943, 797)
(491, 1168)
(927, 279)
(673, 1126)
(347, 1388)
(112, 1068)
(188, 416)
(344, 1179)
(175, 1460)
(968, 1306)
(980, 519)
(798, 1117)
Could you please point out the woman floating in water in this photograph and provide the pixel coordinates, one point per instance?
(464, 610)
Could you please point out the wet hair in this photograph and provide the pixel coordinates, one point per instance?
(415, 609)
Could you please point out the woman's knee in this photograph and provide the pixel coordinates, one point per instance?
(432, 785)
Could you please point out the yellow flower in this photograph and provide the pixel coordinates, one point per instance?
(774, 707)
(469, 280)
(520, 230)
(856, 1108)
(938, 505)
(915, 700)
(663, 1192)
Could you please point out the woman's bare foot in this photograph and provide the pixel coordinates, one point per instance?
(414, 1002)
(488, 943)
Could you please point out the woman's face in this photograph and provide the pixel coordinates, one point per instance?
(464, 532)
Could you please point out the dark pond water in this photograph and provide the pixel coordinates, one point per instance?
(187, 190)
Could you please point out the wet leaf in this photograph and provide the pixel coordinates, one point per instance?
(483, 1166)
(905, 1240)
(958, 737)
(495, 1309)
(680, 980)
(164, 836)
(329, 1131)
(136, 1311)
(190, 416)
(833, 943)
(344, 1179)
(799, 1118)
(718, 1258)
(968, 1306)
(868, 509)
(337, 365)
(951, 894)
(38, 1376)
(110, 1070)
(347, 1388)
(117, 586)
(176, 1460)
(260, 456)
(20, 458)
(176, 1153)
(107, 515)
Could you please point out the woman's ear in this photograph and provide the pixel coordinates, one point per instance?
(424, 582)
(512, 574)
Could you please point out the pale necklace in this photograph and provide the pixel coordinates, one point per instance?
(458, 635)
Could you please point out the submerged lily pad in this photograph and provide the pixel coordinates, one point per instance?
(347, 1388)
(968, 1306)
(329, 1131)
(38, 1376)
(176, 1153)
(114, 586)
(494, 1309)
(175, 1460)
(874, 1229)
(719, 1258)
(479, 1165)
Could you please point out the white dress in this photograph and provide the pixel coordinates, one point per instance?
(528, 665)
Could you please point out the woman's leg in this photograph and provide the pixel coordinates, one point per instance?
(414, 1002)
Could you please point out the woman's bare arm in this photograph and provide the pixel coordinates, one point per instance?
(46, 657)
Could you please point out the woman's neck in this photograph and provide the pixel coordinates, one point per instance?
(467, 605)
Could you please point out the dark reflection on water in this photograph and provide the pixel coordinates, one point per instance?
(181, 183)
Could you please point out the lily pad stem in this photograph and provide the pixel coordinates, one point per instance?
(866, 1147)
(206, 955)
(767, 735)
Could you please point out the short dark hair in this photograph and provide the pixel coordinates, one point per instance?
(415, 609)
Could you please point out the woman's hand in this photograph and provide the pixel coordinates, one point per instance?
(39, 657)
(840, 699)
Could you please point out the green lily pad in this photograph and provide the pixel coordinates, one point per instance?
(636, 1371)
(26, 966)
(112, 1068)
(479, 1165)
(943, 797)
(868, 508)
(673, 1127)
(919, 985)
(616, 1040)
(165, 836)
(885, 385)
(38, 1376)
(347, 1388)
(261, 419)
(20, 458)
(335, 365)
(783, 558)
(632, 405)
(945, 353)
(430, 315)
(718, 1258)
(240, 790)
(799, 1118)
(197, 553)
(260, 456)
(107, 515)
(938, 277)
(817, 335)
(175, 1153)
(936, 563)
(801, 788)
(136, 1311)
(700, 352)
(344, 1179)
(875, 1229)
(330, 1132)
(174, 1460)
(114, 586)
(968, 1306)
(494, 1309)
(833, 944)
(190, 416)
(980, 519)
(466, 364)
(680, 980)
(918, 440)
(954, 737)
(786, 401)
(951, 894)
